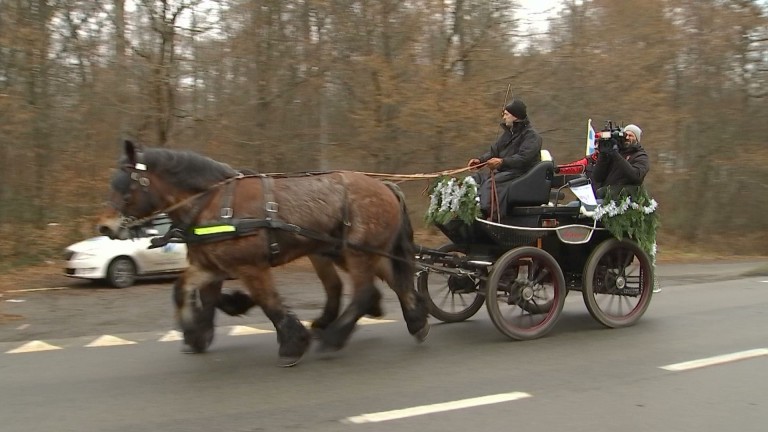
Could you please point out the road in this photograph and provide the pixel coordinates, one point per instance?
(106, 375)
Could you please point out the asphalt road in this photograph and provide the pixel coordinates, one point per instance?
(115, 369)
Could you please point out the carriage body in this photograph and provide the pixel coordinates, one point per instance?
(523, 266)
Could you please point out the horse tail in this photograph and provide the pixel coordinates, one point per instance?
(403, 250)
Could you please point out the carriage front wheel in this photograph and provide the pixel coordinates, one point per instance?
(526, 293)
(618, 283)
(450, 297)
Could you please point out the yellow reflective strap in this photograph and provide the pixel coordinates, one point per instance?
(216, 229)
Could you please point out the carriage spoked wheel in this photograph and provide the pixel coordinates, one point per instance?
(450, 297)
(618, 283)
(526, 293)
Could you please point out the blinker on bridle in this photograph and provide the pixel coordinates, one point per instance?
(136, 172)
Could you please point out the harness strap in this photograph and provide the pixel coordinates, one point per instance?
(270, 213)
(227, 211)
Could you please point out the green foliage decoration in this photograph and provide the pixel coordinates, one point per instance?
(452, 198)
(631, 213)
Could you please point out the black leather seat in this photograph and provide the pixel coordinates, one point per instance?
(533, 187)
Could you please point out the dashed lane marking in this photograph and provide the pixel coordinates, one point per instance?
(240, 330)
(108, 340)
(135, 338)
(171, 336)
(37, 289)
(716, 360)
(435, 408)
(33, 347)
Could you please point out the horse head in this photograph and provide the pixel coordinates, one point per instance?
(153, 180)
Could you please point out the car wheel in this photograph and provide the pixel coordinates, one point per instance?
(121, 272)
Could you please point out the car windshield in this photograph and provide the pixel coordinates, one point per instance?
(161, 224)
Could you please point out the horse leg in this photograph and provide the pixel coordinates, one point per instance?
(332, 284)
(365, 298)
(292, 336)
(195, 294)
(413, 305)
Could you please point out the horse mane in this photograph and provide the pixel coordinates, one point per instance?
(187, 169)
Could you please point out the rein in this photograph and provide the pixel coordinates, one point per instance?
(134, 222)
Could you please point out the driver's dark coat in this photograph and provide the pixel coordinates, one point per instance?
(520, 148)
(627, 167)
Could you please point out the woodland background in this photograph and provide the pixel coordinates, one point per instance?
(384, 86)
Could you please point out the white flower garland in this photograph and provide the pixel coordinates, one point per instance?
(447, 198)
(611, 209)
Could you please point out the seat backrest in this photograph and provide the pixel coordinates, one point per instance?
(532, 188)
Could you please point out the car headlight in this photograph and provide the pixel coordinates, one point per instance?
(83, 255)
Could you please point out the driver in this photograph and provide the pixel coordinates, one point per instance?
(621, 164)
(512, 155)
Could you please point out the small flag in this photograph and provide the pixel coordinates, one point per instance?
(590, 138)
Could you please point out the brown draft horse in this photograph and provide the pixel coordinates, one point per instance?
(241, 226)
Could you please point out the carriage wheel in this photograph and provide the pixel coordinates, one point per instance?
(449, 297)
(526, 293)
(618, 283)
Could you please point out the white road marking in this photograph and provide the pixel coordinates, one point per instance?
(240, 330)
(435, 408)
(108, 340)
(366, 321)
(171, 336)
(37, 289)
(32, 347)
(361, 321)
(711, 361)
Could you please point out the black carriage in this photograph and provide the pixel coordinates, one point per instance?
(523, 266)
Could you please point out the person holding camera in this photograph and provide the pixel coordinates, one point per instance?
(512, 155)
(622, 162)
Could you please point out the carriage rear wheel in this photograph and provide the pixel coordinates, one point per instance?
(526, 293)
(450, 297)
(618, 283)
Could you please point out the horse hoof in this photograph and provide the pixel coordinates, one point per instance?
(422, 334)
(286, 362)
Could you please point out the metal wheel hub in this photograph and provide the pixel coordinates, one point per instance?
(526, 294)
(621, 282)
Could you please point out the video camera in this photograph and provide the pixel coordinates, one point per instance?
(611, 134)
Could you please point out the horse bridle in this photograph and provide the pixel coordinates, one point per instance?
(139, 180)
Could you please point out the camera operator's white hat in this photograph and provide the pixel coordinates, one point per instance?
(635, 130)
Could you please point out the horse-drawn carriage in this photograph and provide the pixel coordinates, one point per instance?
(240, 226)
(523, 266)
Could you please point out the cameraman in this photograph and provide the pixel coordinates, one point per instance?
(622, 162)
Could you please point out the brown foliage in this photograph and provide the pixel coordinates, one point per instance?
(377, 86)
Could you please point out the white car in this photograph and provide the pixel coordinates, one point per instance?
(121, 262)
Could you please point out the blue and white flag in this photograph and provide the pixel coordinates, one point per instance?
(590, 138)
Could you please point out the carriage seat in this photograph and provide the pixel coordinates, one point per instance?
(533, 187)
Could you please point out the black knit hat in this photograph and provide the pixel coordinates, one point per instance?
(517, 108)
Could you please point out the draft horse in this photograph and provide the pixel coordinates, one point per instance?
(241, 226)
